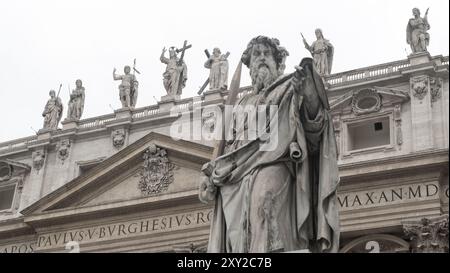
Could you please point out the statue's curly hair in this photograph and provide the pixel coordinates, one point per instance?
(278, 52)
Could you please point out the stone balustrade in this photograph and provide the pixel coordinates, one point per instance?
(375, 72)
(217, 96)
(367, 73)
(95, 122)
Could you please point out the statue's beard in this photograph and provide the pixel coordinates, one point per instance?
(262, 76)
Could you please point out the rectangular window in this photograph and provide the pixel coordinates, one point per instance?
(7, 196)
(367, 134)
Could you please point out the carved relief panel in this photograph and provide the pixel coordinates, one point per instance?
(118, 137)
(419, 87)
(63, 149)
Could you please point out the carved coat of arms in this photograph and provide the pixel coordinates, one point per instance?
(118, 138)
(157, 172)
(419, 86)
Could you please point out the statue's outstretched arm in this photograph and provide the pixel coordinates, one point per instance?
(116, 77)
(163, 59)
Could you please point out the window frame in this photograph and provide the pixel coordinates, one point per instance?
(372, 117)
(6, 184)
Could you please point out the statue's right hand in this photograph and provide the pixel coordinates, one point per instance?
(164, 49)
(207, 191)
(114, 70)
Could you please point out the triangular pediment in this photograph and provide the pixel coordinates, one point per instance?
(155, 168)
(381, 96)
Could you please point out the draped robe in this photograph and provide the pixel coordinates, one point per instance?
(52, 113)
(218, 75)
(415, 31)
(175, 76)
(285, 199)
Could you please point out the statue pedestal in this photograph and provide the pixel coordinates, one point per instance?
(69, 124)
(167, 102)
(123, 113)
(213, 95)
(419, 58)
(170, 98)
(44, 134)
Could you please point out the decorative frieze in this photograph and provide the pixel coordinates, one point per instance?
(387, 196)
(125, 229)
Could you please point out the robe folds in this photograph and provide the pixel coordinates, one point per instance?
(283, 199)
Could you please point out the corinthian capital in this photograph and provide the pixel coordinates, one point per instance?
(428, 234)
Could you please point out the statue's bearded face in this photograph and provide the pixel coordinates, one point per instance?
(263, 66)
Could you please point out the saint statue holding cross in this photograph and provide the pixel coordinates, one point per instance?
(175, 76)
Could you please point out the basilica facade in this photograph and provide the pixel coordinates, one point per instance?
(122, 182)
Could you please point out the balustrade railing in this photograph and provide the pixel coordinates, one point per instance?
(338, 79)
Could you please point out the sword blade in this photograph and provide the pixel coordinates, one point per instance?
(231, 100)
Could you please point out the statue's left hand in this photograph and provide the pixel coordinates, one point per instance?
(207, 191)
(299, 77)
(304, 85)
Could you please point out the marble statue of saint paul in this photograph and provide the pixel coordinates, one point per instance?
(283, 199)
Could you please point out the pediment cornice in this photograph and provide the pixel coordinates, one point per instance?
(86, 184)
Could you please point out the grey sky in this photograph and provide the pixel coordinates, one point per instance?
(48, 42)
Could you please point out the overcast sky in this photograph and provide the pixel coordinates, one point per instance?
(45, 43)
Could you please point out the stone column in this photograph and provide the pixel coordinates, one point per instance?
(443, 185)
(39, 157)
(36, 177)
(429, 235)
(439, 112)
(422, 123)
